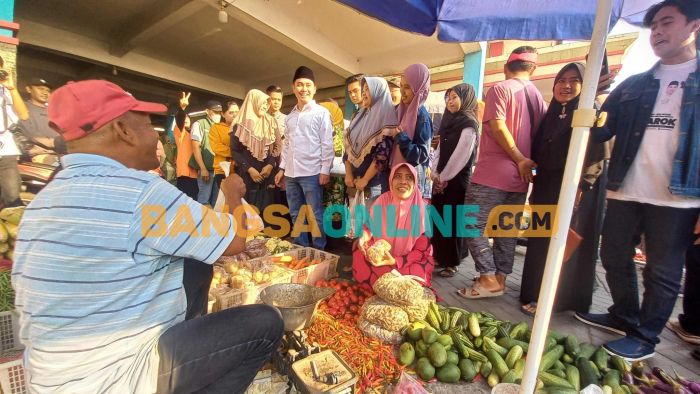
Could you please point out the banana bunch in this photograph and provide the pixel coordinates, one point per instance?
(9, 224)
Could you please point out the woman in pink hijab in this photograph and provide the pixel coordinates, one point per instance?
(400, 244)
(412, 139)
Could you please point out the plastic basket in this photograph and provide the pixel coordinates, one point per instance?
(326, 269)
(11, 370)
(228, 297)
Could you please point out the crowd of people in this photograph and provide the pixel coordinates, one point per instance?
(137, 323)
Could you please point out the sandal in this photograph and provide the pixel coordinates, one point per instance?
(480, 290)
(448, 272)
(529, 309)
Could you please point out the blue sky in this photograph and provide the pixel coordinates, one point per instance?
(640, 56)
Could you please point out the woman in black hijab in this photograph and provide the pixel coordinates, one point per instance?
(459, 131)
(549, 150)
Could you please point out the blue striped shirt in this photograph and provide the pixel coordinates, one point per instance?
(94, 289)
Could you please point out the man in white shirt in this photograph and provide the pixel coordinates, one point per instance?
(12, 109)
(307, 157)
(653, 181)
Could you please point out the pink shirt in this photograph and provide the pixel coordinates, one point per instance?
(506, 101)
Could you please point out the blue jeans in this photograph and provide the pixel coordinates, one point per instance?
(206, 193)
(306, 191)
(668, 233)
(218, 353)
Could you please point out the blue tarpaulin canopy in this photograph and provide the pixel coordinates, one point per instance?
(479, 20)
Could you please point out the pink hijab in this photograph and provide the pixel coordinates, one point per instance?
(418, 77)
(401, 245)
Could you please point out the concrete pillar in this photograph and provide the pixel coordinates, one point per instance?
(474, 64)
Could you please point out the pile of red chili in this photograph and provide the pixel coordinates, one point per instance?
(373, 361)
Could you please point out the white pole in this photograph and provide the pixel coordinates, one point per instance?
(567, 195)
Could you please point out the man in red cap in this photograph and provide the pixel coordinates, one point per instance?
(513, 111)
(98, 269)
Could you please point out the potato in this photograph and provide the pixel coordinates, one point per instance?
(258, 277)
(231, 267)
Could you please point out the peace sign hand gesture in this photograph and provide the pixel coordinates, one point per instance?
(185, 100)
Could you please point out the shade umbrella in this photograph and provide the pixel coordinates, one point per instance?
(475, 20)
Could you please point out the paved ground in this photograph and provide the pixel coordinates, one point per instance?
(671, 352)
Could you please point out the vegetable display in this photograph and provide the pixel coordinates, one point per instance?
(7, 294)
(476, 343)
(9, 226)
(293, 263)
(347, 301)
(373, 361)
(275, 245)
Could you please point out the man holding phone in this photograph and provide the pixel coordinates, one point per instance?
(653, 181)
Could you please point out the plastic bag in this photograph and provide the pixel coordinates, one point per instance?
(384, 315)
(408, 385)
(419, 310)
(398, 289)
(374, 331)
(357, 201)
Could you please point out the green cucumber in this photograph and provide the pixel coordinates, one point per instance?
(557, 372)
(514, 354)
(510, 342)
(473, 323)
(491, 344)
(486, 368)
(572, 346)
(518, 331)
(492, 380)
(587, 375)
(601, 358)
(573, 376)
(550, 357)
(559, 365)
(509, 377)
(551, 380)
(559, 337)
(587, 350)
(499, 365)
(519, 368)
(612, 378)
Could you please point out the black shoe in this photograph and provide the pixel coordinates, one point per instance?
(601, 320)
(630, 349)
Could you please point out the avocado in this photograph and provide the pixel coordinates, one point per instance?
(448, 373)
(437, 354)
(424, 369)
(452, 358)
(414, 333)
(429, 335)
(445, 340)
(467, 369)
(406, 354)
(421, 349)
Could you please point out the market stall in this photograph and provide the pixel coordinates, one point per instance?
(342, 336)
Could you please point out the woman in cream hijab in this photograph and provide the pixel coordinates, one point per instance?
(255, 146)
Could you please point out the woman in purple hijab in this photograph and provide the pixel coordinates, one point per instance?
(412, 138)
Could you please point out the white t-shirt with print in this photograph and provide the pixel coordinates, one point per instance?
(649, 177)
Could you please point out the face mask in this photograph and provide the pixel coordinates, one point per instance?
(216, 118)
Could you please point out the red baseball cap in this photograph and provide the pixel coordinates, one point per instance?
(79, 108)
